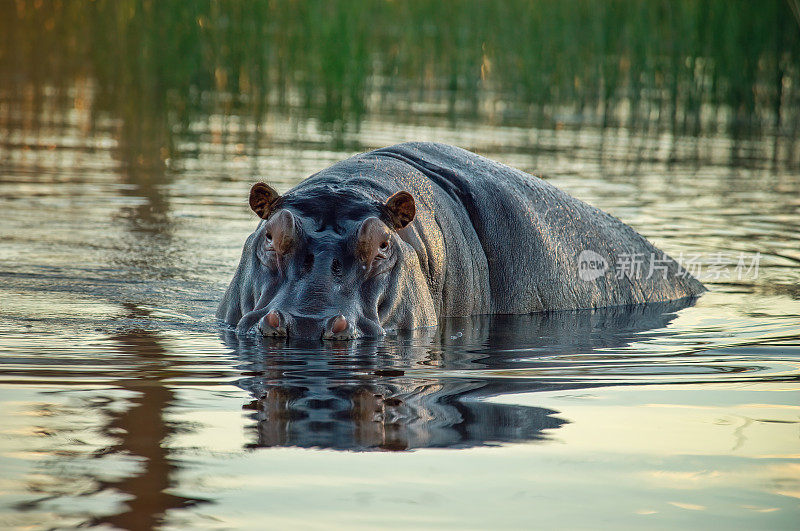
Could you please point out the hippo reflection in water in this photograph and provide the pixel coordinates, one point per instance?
(439, 387)
(400, 237)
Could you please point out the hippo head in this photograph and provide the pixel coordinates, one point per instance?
(332, 263)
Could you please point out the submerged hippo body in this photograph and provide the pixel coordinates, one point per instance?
(399, 237)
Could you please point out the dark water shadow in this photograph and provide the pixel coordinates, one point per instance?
(143, 430)
(139, 432)
(429, 388)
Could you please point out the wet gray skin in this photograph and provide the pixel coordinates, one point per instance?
(398, 237)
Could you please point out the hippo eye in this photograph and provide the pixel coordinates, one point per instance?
(384, 245)
(269, 236)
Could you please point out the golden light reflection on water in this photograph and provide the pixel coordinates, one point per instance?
(624, 420)
(56, 306)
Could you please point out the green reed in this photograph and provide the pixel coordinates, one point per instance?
(682, 66)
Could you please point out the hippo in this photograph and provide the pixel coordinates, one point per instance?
(403, 236)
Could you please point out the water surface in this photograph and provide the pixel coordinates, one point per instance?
(123, 403)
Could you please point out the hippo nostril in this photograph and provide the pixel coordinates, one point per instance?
(339, 324)
(273, 324)
(273, 319)
(338, 327)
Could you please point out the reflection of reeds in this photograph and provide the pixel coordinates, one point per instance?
(683, 66)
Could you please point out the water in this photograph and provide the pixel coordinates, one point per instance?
(123, 403)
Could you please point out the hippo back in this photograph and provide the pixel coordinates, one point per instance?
(531, 235)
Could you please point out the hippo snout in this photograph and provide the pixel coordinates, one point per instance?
(282, 324)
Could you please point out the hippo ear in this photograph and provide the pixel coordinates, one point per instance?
(401, 209)
(374, 242)
(263, 200)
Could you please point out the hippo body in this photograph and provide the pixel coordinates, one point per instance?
(402, 236)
